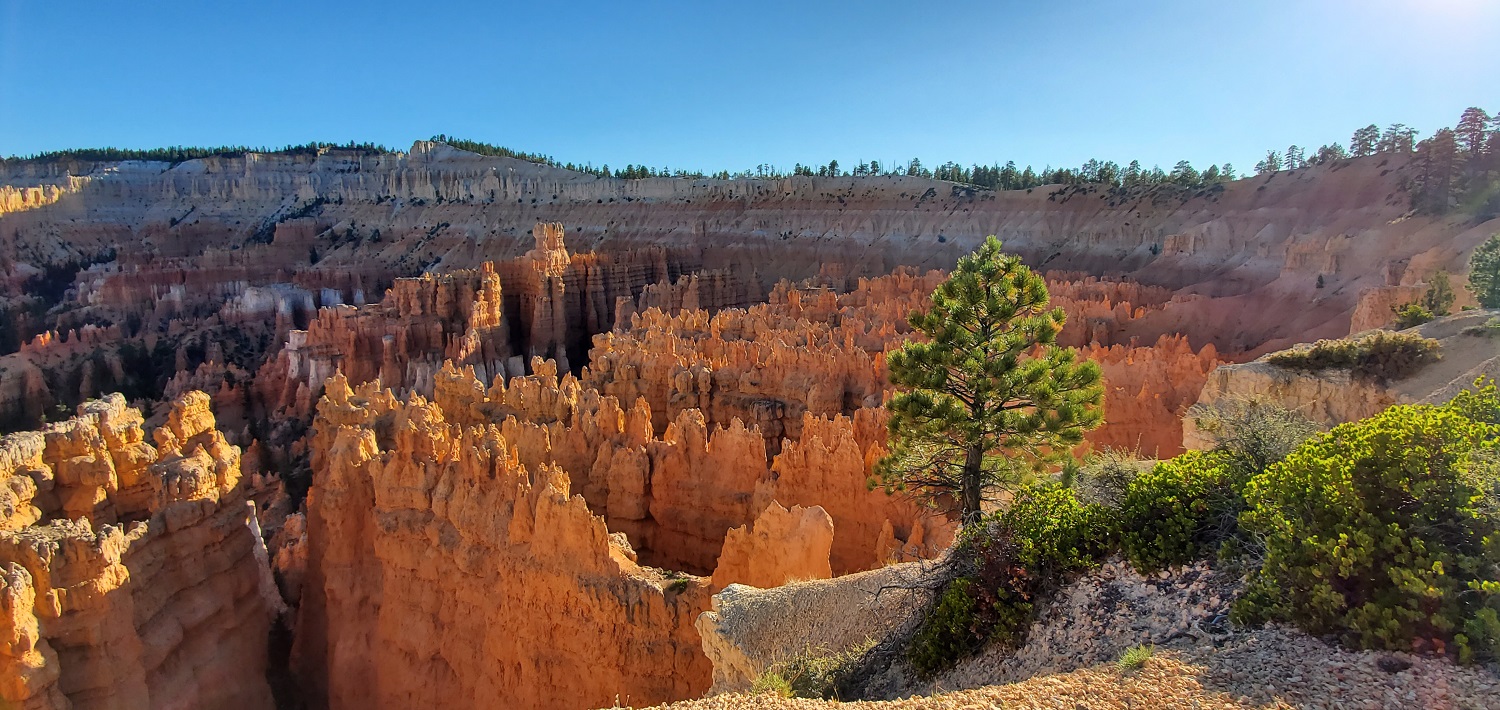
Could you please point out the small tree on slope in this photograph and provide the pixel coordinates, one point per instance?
(989, 397)
(1484, 273)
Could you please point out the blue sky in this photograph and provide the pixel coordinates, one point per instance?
(712, 85)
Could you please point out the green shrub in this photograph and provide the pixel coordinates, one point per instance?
(1484, 273)
(1006, 563)
(1411, 315)
(1380, 355)
(1435, 303)
(1055, 534)
(1188, 507)
(1135, 657)
(1439, 297)
(950, 631)
(1385, 531)
(772, 682)
(1177, 511)
(1253, 434)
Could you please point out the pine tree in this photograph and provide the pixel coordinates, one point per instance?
(1109, 173)
(1439, 297)
(1484, 273)
(1294, 158)
(1472, 131)
(1398, 138)
(988, 398)
(1183, 173)
(1330, 153)
(1365, 140)
(1010, 178)
(1437, 158)
(1271, 164)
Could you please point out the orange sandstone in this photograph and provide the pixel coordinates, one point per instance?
(130, 578)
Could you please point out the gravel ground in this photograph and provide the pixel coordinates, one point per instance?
(1094, 620)
(1164, 682)
(1268, 669)
(1290, 667)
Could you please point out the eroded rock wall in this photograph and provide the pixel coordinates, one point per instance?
(677, 494)
(444, 572)
(501, 533)
(130, 574)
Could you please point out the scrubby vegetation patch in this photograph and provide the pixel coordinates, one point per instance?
(1380, 355)
(813, 674)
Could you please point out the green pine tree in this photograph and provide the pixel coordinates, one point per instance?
(988, 397)
(1484, 273)
(1439, 297)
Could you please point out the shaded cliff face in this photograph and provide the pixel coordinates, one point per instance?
(128, 572)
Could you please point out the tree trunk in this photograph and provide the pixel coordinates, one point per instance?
(972, 485)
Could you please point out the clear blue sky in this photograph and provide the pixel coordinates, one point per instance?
(712, 85)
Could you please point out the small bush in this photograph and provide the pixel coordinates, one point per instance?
(1105, 476)
(1435, 303)
(952, 629)
(1135, 657)
(814, 674)
(1253, 434)
(1439, 298)
(1055, 534)
(772, 682)
(1176, 512)
(1484, 273)
(1411, 315)
(1380, 355)
(1386, 531)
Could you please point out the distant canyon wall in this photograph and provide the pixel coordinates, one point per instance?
(1239, 248)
